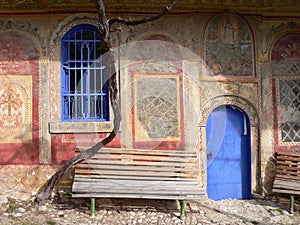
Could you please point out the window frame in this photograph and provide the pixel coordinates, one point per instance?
(93, 106)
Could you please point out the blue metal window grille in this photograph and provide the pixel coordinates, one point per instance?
(84, 77)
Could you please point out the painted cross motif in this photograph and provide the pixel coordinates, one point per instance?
(15, 108)
(17, 54)
(10, 101)
(11, 105)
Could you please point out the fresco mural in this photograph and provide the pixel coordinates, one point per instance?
(18, 99)
(286, 72)
(229, 47)
(156, 111)
(15, 109)
(225, 34)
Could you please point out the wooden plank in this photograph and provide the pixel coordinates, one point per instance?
(283, 191)
(141, 163)
(81, 188)
(135, 178)
(296, 155)
(141, 158)
(126, 167)
(288, 164)
(288, 158)
(294, 181)
(146, 151)
(148, 185)
(287, 186)
(100, 168)
(288, 173)
(145, 163)
(132, 173)
(287, 178)
(111, 182)
(154, 189)
(128, 177)
(142, 196)
(138, 193)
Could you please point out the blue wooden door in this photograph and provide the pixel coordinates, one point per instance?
(228, 154)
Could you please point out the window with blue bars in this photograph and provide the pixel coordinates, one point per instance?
(84, 77)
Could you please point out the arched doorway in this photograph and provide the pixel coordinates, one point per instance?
(228, 154)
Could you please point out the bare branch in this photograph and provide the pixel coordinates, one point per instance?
(45, 192)
(21, 2)
(129, 22)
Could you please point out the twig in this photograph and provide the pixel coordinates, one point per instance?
(130, 22)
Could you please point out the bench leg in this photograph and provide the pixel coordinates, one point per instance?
(292, 198)
(92, 207)
(182, 208)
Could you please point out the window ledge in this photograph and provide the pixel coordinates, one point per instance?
(80, 127)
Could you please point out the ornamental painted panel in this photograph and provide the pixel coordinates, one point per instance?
(157, 108)
(286, 92)
(17, 54)
(228, 47)
(286, 56)
(289, 110)
(15, 109)
(19, 123)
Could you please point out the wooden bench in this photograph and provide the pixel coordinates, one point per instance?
(287, 178)
(135, 173)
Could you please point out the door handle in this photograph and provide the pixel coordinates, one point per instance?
(209, 155)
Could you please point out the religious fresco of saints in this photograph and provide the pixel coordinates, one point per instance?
(228, 47)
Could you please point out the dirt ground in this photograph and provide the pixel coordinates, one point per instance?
(68, 211)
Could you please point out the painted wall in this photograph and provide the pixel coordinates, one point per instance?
(237, 63)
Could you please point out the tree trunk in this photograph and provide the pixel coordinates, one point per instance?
(109, 61)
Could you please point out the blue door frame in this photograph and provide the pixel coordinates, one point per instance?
(228, 154)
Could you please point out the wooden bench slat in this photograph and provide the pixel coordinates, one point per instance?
(135, 168)
(287, 184)
(288, 164)
(284, 191)
(289, 173)
(148, 192)
(131, 182)
(142, 196)
(287, 177)
(132, 173)
(288, 158)
(181, 153)
(296, 155)
(146, 163)
(116, 177)
(125, 167)
(142, 158)
(139, 162)
(81, 187)
(286, 187)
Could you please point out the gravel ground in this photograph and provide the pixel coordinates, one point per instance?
(69, 211)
